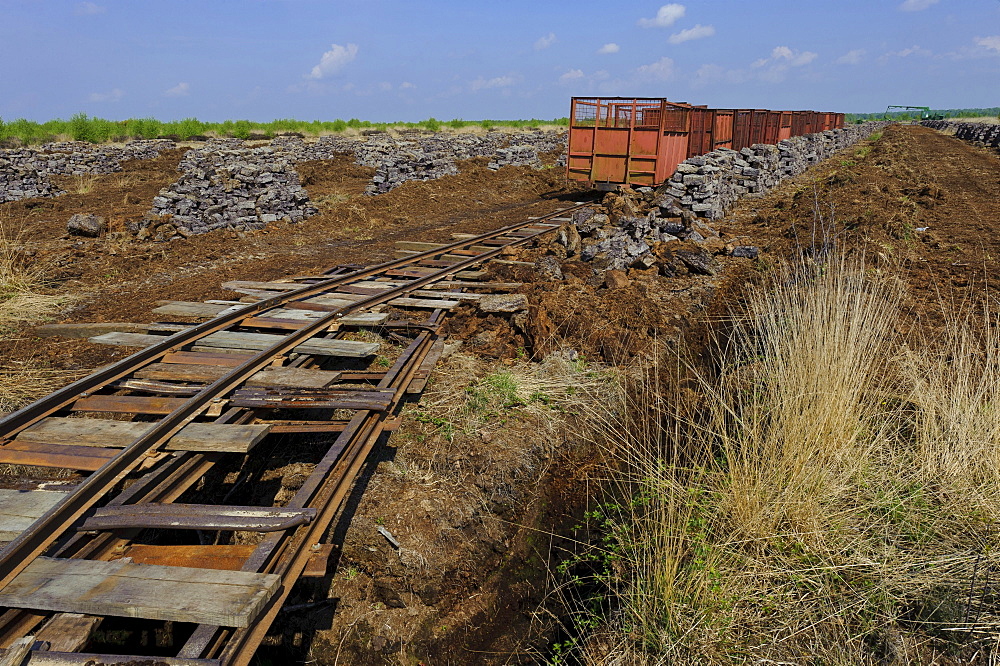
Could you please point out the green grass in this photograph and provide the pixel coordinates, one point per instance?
(82, 127)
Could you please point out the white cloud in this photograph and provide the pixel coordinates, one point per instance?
(665, 17)
(851, 57)
(992, 42)
(571, 75)
(698, 32)
(610, 47)
(406, 85)
(905, 53)
(180, 90)
(89, 9)
(784, 57)
(916, 5)
(112, 96)
(661, 70)
(334, 60)
(545, 42)
(496, 82)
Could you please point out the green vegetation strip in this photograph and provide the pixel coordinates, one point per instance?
(99, 130)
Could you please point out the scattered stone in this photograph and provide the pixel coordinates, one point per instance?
(746, 251)
(503, 303)
(616, 279)
(548, 268)
(83, 224)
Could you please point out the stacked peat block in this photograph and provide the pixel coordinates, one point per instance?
(235, 188)
(18, 181)
(519, 155)
(397, 162)
(709, 185)
(24, 173)
(668, 229)
(982, 134)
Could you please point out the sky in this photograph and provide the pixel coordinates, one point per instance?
(394, 60)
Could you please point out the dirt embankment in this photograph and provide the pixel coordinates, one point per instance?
(475, 491)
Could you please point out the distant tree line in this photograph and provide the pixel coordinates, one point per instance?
(989, 112)
(82, 127)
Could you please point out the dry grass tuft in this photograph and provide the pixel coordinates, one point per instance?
(819, 496)
(21, 277)
(22, 382)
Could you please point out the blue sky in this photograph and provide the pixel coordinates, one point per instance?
(385, 60)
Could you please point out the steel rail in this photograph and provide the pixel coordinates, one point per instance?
(22, 418)
(41, 535)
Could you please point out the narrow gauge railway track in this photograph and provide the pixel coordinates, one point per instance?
(164, 417)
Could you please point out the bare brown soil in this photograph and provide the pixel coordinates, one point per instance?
(478, 504)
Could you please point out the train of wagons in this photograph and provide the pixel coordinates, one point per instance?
(630, 141)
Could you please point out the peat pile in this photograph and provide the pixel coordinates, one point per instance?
(24, 173)
(235, 188)
(709, 185)
(982, 134)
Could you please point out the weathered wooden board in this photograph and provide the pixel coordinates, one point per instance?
(450, 295)
(182, 372)
(82, 458)
(242, 341)
(446, 259)
(423, 247)
(127, 404)
(235, 285)
(68, 632)
(427, 303)
(196, 517)
(294, 378)
(86, 659)
(189, 309)
(356, 319)
(376, 400)
(126, 589)
(20, 508)
(222, 359)
(102, 433)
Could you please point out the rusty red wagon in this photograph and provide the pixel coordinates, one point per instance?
(640, 141)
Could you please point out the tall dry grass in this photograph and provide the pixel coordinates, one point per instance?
(22, 297)
(825, 493)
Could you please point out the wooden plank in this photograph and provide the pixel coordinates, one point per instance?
(220, 359)
(196, 517)
(260, 341)
(127, 404)
(189, 309)
(445, 259)
(182, 372)
(127, 339)
(235, 285)
(451, 295)
(228, 557)
(243, 341)
(357, 319)
(301, 377)
(294, 377)
(18, 651)
(101, 433)
(80, 458)
(156, 592)
(68, 632)
(491, 286)
(20, 508)
(312, 399)
(427, 303)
